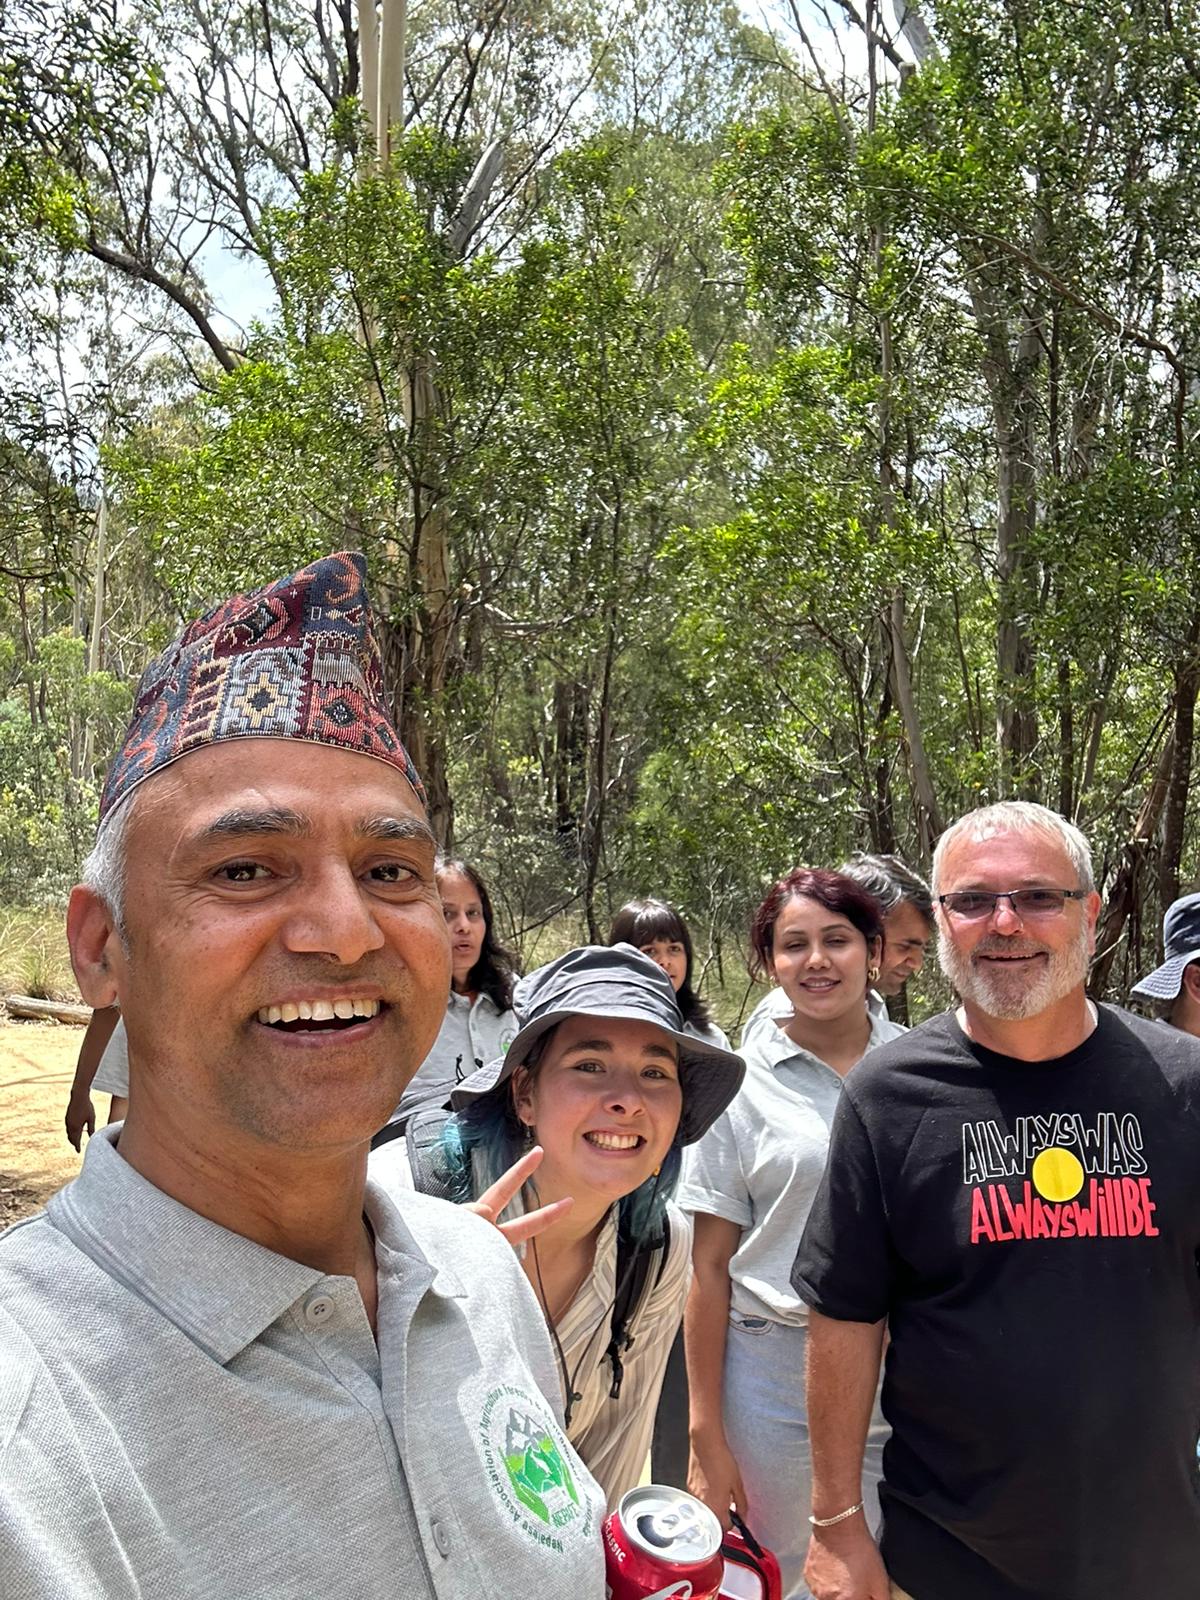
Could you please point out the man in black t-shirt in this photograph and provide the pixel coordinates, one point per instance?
(1014, 1190)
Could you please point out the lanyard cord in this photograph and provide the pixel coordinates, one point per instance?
(572, 1396)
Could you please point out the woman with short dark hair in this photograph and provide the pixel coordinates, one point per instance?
(750, 1183)
(656, 929)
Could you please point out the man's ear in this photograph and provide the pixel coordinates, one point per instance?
(1092, 908)
(94, 941)
(1191, 980)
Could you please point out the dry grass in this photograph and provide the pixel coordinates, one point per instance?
(33, 956)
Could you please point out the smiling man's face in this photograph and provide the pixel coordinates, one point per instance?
(287, 961)
(1001, 965)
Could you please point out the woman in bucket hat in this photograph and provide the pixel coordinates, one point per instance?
(604, 1078)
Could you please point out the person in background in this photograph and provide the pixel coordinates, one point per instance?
(1175, 986)
(907, 931)
(480, 1022)
(81, 1113)
(611, 1085)
(656, 929)
(749, 1184)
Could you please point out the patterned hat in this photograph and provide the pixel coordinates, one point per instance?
(294, 660)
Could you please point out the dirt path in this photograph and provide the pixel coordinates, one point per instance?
(37, 1063)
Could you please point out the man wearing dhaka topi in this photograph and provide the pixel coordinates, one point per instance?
(230, 1366)
(1013, 1191)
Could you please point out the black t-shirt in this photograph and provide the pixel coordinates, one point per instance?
(1030, 1231)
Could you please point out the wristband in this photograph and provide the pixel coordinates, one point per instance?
(828, 1522)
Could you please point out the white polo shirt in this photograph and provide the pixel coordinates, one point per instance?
(611, 1436)
(112, 1074)
(185, 1415)
(761, 1161)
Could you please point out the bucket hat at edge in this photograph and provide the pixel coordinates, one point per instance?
(614, 981)
(1181, 946)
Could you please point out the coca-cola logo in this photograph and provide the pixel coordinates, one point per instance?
(681, 1591)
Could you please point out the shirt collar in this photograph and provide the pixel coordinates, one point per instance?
(219, 1288)
(397, 1250)
(772, 1047)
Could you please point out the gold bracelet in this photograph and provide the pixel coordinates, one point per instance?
(828, 1522)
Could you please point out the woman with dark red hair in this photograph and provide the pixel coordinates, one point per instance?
(750, 1183)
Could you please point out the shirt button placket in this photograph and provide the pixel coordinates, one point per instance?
(441, 1538)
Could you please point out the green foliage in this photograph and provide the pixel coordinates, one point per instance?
(706, 482)
(47, 800)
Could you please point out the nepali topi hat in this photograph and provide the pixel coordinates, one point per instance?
(297, 659)
(1181, 946)
(614, 981)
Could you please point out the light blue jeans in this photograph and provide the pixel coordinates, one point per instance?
(766, 1426)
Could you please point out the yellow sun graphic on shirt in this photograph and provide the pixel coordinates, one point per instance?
(1057, 1175)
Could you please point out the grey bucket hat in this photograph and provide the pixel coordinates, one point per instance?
(614, 981)
(1181, 945)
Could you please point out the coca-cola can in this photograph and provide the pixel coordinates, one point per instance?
(662, 1543)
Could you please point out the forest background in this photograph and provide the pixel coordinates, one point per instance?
(771, 435)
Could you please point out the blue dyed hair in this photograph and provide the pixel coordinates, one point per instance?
(481, 1142)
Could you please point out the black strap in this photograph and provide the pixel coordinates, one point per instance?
(390, 1131)
(634, 1262)
(426, 1153)
(752, 1543)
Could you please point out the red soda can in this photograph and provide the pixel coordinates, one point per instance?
(662, 1544)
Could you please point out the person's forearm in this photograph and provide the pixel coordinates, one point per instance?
(95, 1040)
(705, 1324)
(843, 1371)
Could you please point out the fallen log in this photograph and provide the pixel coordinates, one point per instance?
(24, 1005)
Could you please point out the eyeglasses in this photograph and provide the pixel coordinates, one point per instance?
(973, 905)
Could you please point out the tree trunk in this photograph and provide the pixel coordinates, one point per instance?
(1187, 686)
(1016, 706)
(1066, 740)
(594, 812)
(1125, 895)
(882, 811)
(929, 816)
(95, 657)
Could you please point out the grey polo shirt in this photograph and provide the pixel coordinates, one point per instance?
(185, 1415)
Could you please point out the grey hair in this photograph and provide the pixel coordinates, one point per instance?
(1018, 816)
(891, 881)
(104, 868)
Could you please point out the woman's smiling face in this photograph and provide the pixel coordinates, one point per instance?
(819, 959)
(604, 1103)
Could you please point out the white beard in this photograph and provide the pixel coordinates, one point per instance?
(1015, 995)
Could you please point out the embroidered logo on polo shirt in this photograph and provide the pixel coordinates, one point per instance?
(527, 1463)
